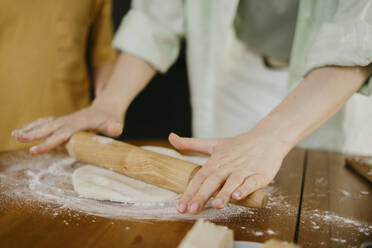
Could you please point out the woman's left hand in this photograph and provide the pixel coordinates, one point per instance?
(237, 167)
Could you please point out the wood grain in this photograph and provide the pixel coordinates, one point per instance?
(337, 204)
(30, 224)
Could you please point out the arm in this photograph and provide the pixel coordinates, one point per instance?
(102, 54)
(106, 114)
(130, 75)
(102, 76)
(248, 162)
(323, 92)
(147, 33)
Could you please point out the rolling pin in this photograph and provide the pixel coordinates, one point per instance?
(150, 167)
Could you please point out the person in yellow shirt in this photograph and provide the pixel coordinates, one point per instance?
(45, 50)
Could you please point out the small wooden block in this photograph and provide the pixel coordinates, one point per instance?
(362, 166)
(206, 234)
(272, 243)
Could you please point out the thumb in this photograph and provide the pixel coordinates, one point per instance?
(192, 144)
(112, 128)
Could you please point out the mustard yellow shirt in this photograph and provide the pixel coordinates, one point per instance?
(44, 46)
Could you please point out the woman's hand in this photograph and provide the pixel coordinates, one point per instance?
(237, 167)
(245, 163)
(130, 75)
(55, 131)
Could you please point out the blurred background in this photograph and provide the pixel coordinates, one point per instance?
(164, 105)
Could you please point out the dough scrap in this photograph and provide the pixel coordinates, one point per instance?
(101, 184)
(207, 234)
(272, 243)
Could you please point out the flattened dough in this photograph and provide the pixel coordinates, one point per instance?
(101, 184)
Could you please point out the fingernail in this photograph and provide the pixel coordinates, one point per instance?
(175, 135)
(194, 207)
(218, 202)
(33, 149)
(237, 195)
(15, 132)
(182, 206)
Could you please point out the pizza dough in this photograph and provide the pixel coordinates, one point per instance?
(101, 184)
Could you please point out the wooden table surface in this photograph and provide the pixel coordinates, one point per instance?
(336, 207)
(317, 203)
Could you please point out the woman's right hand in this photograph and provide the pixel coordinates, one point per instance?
(55, 131)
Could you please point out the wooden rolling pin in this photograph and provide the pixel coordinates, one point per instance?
(151, 167)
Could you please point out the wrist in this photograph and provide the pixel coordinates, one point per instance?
(274, 133)
(113, 105)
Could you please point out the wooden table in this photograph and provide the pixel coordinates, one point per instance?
(312, 185)
(336, 208)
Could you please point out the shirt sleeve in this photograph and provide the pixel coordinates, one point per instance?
(152, 30)
(344, 40)
(102, 34)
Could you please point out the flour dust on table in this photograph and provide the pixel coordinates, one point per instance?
(44, 183)
(46, 180)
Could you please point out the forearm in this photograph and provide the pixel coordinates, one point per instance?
(105, 115)
(240, 165)
(130, 75)
(101, 76)
(322, 93)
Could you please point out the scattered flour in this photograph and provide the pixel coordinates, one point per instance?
(318, 218)
(366, 161)
(258, 233)
(342, 230)
(339, 240)
(46, 179)
(344, 192)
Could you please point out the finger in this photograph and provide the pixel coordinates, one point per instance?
(41, 131)
(251, 184)
(32, 125)
(193, 144)
(111, 128)
(224, 196)
(192, 189)
(54, 140)
(208, 188)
